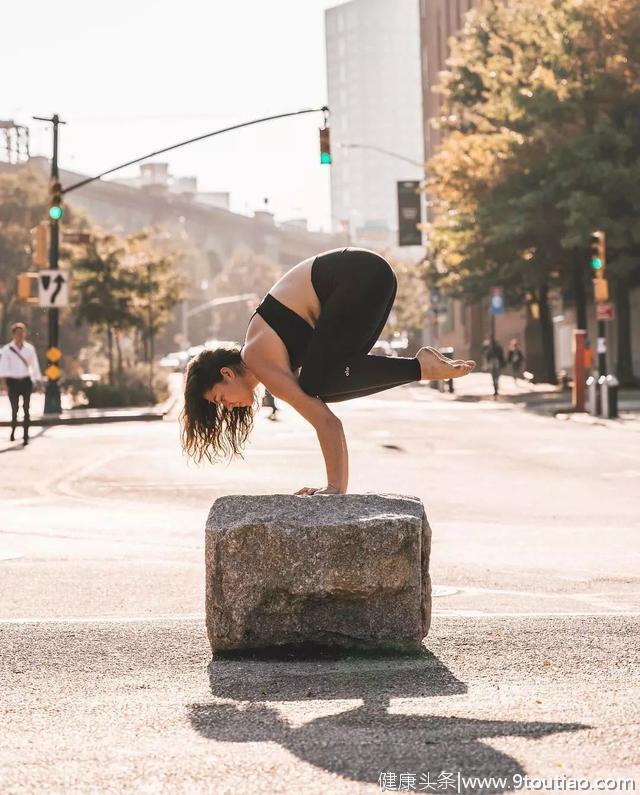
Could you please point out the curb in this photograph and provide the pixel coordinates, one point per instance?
(94, 416)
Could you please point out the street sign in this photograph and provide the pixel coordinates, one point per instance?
(53, 288)
(605, 312)
(496, 306)
(76, 238)
(409, 215)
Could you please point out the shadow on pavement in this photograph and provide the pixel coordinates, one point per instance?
(17, 446)
(361, 742)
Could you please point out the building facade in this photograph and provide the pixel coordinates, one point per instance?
(373, 81)
(439, 20)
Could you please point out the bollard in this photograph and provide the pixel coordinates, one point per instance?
(593, 396)
(448, 352)
(577, 394)
(609, 396)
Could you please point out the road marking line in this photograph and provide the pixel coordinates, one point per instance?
(104, 619)
(198, 617)
(552, 614)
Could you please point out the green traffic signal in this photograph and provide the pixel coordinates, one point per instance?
(596, 263)
(55, 212)
(325, 146)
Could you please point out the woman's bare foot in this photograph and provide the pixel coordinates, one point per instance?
(436, 367)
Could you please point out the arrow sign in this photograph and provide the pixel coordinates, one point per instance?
(60, 281)
(53, 289)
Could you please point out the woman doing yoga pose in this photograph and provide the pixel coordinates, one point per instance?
(308, 343)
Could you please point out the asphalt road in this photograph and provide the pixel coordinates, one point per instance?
(530, 669)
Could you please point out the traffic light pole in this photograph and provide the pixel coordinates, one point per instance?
(602, 348)
(598, 265)
(52, 404)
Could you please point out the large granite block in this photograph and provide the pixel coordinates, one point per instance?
(345, 569)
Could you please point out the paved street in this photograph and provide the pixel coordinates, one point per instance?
(531, 666)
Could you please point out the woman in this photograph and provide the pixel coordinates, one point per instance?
(515, 358)
(323, 316)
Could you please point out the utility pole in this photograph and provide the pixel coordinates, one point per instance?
(151, 335)
(52, 394)
(601, 293)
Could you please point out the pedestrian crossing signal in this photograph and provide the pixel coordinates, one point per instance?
(40, 245)
(27, 287)
(325, 146)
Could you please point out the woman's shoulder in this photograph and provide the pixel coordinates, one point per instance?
(263, 346)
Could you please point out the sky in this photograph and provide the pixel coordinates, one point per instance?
(130, 77)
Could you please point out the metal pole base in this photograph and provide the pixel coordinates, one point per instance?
(52, 403)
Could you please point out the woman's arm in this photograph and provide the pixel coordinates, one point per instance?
(328, 427)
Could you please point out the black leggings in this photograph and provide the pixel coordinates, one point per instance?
(356, 289)
(19, 387)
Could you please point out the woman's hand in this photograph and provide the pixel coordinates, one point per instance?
(308, 491)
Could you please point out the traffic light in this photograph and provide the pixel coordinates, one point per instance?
(40, 245)
(598, 265)
(598, 253)
(55, 201)
(27, 287)
(325, 146)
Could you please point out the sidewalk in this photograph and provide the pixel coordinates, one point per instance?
(71, 416)
(545, 399)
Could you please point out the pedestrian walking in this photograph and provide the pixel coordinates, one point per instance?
(20, 368)
(515, 359)
(268, 401)
(308, 343)
(494, 361)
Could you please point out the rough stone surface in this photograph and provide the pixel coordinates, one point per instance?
(348, 569)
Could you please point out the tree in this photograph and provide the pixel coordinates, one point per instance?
(412, 298)
(540, 105)
(123, 285)
(158, 285)
(245, 272)
(22, 205)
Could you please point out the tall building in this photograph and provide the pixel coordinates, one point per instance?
(373, 77)
(439, 20)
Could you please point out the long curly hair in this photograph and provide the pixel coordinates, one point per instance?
(209, 430)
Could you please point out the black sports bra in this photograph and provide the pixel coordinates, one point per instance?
(288, 325)
(293, 330)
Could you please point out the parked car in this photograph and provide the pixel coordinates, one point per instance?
(176, 361)
(213, 344)
(383, 348)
